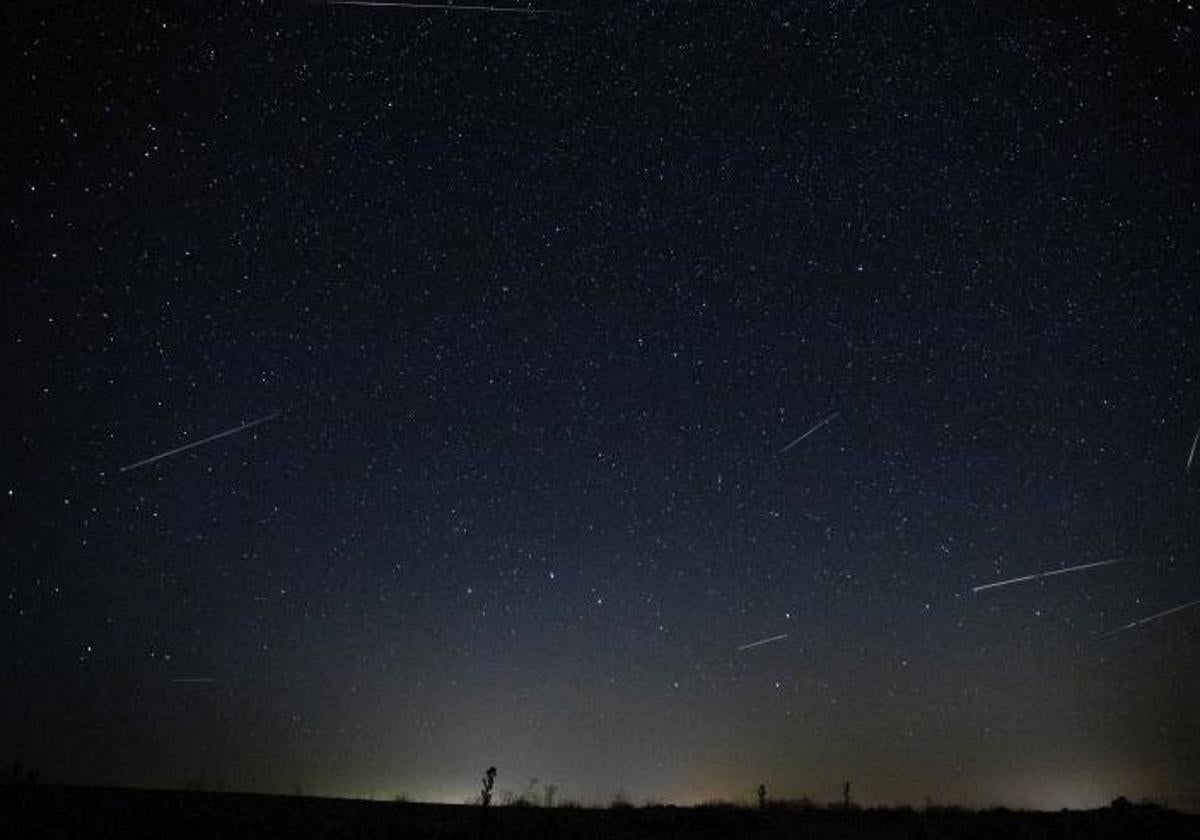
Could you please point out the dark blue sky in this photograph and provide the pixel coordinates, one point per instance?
(540, 301)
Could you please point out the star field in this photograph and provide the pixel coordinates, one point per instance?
(525, 317)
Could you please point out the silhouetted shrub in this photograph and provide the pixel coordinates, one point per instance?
(489, 781)
(719, 805)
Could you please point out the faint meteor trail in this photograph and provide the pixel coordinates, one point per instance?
(809, 432)
(763, 641)
(1039, 575)
(196, 443)
(1151, 618)
(444, 7)
(1192, 454)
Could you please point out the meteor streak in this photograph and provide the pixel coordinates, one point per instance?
(1039, 575)
(763, 641)
(196, 443)
(809, 432)
(1151, 618)
(1192, 454)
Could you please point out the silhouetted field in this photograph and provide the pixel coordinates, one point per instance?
(70, 812)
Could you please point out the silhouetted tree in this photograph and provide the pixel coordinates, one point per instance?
(762, 797)
(846, 796)
(489, 781)
(549, 791)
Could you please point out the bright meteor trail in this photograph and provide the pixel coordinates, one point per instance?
(1040, 575)
(763, 641)
(1151, 618)
(809, 432)
(196, 443)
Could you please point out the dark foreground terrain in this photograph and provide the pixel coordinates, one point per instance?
(68, 812)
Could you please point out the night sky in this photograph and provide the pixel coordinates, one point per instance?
(530, 308)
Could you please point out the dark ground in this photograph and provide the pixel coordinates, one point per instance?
(67, 812)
